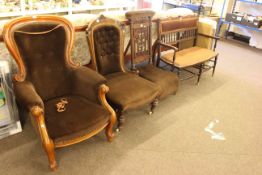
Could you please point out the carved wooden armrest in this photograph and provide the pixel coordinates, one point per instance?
(38, 115)
(212, 37)
(48, 144)
(103, 89)
(208, 36)
(168, 46)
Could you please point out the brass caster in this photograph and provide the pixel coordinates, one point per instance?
(150, 113)
(117, 130)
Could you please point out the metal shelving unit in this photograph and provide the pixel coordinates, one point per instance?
(69, 8)
(223, 21)
(199, 8)
(252, 2)
(9, 121)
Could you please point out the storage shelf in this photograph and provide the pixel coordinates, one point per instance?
(223, 21)
(251, 2)
(200, 8)
(37, 12)
(10, 14)
(242, 26)
(70, 9)
(100, 7)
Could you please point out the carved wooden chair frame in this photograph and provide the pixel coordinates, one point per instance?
(37, 112)
(140, 41)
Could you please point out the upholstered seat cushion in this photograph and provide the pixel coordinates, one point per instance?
(80, 118)
(127, 90)
(189, 57)
(166, 80)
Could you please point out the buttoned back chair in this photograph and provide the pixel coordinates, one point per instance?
(127, 90)
(142, 60)
(66, 102)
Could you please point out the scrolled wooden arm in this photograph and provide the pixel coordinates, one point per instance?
(167, 45)
(48, 144)
(103, 89)
(208, 36)
(212, 37)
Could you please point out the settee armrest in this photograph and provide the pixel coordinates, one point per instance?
(167, 45)
(160, 43)
(26, 95)
(211, 37)
(86, 82)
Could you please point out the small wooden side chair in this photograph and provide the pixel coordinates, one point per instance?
(142, 61)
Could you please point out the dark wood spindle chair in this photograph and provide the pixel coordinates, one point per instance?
(142, 61)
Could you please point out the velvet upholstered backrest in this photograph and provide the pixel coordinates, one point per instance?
(106, 45)
(42, 49)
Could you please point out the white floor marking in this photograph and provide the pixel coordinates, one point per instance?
(214, 135)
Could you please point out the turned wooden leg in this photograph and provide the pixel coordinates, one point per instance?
(153, 106)
(157, 62)
(200, 73)
(120, 120)
(214, 66)
(172, 68)
(109, 129)
(50, 151)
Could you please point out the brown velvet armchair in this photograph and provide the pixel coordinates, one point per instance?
(142, 61)
(66, 102)
(127, 90)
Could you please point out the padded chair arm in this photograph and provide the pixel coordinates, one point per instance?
(208, 36)
(86, 82)
(26, 94)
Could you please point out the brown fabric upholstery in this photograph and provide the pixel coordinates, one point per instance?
(42, 47)
(126, 90)
(166, 80)
(189, 57)
(26, 94)
(86, 83)
(80, 117)
(129, 91)
(107, 43)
